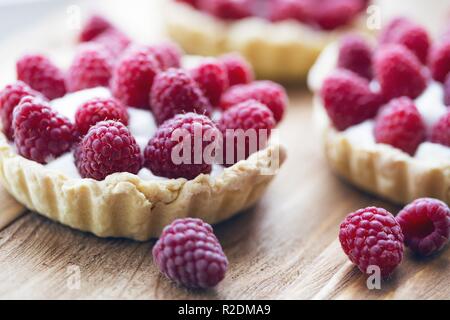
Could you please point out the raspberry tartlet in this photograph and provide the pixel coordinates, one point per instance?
(100, 159)
(280, 38)
(383, 112)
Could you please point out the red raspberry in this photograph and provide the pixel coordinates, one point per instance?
(115, 41)
(267, 92)
(249, 116)
(389, 31)
(91, 67)
(189, 253)
(212, 78)
(10, 97)
(175, 92)
(107, 148)
(355, 55)
(226, 9)
(133, 78)
(42, 75)
(174, 134)
(41, 134)
(348, 99)
(399, 72)
(440, 60)
(441, 130)
(93, 27)
(331, 14)
(426, 225)
(447, 91)
(99, 109)
(280, 10)
(372, 237)
(400, 125)
(238, 69)
(168, 54)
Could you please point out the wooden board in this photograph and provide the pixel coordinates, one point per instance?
(284, 248)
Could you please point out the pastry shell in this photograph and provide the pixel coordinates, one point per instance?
(124, 205)
(282, 51)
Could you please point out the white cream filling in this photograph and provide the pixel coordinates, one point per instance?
(430, 105)
(141, 124)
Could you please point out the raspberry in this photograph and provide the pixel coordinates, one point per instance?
(399, 72)
(189, 253)
(41, 75)
(238, 69)
(372, 237)
(133, 78)
(212, 78)
(400, 125)
(426, 225)
(91, 67)
(99, 109)
(355, 55)
(175, 92)
(249, 116)
(93, 27)
(440, 132)
(415, 38)
(41, 134)
(267, 92)
(280, 10)
(331, 14)
(447, 91)
(107, 148)
(226, 9)
(389, 31)
(168, 54)
(10, 97)
(440, 60)
(115, 41)
(175, 133)
(348, 100)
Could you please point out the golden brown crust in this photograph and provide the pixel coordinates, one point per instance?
(282, 51)
(124, 205)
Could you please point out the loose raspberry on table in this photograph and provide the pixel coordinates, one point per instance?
(331, 14)
(440, 60)
(267, 92)
(97, 110)
(115, 41)
(226, 9)
(372, 237)
(93, 27)
(348, 99)
(355, 54)
(399, 72)
(280, 10)
(174, 92)
(10, 97)
(212, 77)
(440, 133)
(167, 153)
(168, 54)
(107, 148)
(426, 225)
(246, 128)
(400, 125)
(133, 77)
(92, 67)
(41, 134)
(190, 254)
(41, 75)
(238, 69)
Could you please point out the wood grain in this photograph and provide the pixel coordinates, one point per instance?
(284, 248)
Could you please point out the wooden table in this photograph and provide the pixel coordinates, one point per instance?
(285, 247)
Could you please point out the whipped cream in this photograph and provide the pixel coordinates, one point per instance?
(142, 126)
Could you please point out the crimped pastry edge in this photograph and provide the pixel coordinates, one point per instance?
(381, 169)
(124, 205)
(282, 51)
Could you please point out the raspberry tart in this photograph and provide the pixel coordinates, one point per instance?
(383, 110)
(280, 38)
(101, 156)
